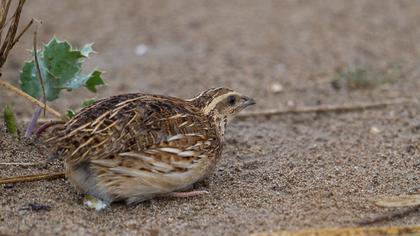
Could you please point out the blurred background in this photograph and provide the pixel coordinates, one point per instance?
(283, 53)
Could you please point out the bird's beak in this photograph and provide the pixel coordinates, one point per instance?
(247, 101)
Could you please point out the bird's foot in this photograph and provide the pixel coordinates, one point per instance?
(94, 203)
(187, 194)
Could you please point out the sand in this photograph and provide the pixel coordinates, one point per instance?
(285, 172)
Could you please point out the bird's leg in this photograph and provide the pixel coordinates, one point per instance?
(187, 194)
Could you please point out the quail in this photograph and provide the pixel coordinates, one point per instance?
(134, 147)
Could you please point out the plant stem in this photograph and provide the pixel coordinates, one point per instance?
(29, 98)
(38, 70)
(32, 123)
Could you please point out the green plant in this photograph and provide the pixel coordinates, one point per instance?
(59, 68)
(357, 78)
(55, 67)
(10, 120)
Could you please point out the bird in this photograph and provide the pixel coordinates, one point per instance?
(134, 147)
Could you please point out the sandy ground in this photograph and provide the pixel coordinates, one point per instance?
(287, 172)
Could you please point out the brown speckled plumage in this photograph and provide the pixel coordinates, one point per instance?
(133, 147)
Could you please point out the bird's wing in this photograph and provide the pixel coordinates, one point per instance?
(139, 133)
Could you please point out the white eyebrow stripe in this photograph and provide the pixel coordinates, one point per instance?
(216, 101)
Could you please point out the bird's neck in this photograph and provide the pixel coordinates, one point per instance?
(220, 123)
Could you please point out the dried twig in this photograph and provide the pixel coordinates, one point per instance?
(328, 108)
(399, 201)
(10, 38)
(22, 32)
(31, 178)
(4, 9)
(412, 201)
(389, 216)
(28, 97)
(41, 120)
(358, 231)
(18, 164)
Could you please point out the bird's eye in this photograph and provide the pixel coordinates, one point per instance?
(231, 100)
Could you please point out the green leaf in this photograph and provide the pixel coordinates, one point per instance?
(61, 62)
(87, 49)
(94, 80)
(77, 82)
(60, 67)
(10, 120)
(29, 81)
(89, 81)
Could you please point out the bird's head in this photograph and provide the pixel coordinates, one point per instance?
(222, 104)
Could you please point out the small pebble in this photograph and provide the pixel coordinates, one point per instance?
(141, 49)
(290, 103)
(8, 186)
(276, 88)
(35, 207)
(374, 130)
